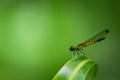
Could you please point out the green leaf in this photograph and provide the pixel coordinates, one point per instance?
(78, 68)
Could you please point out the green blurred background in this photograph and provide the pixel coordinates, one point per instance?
(35, 36)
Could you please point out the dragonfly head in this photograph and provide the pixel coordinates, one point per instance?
(72, 48)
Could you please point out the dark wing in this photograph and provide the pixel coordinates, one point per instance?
(99, 37)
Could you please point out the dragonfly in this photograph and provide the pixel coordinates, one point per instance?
(97, 38)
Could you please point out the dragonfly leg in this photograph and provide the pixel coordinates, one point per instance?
(81, 52)
(73, 54)
(77, 52)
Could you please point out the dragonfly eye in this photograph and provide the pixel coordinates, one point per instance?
(72, 48)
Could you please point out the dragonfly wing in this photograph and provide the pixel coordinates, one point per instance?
(99, 37)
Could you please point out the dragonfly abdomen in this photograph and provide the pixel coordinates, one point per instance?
(88, 43)
(78, 47)
(100, 39)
